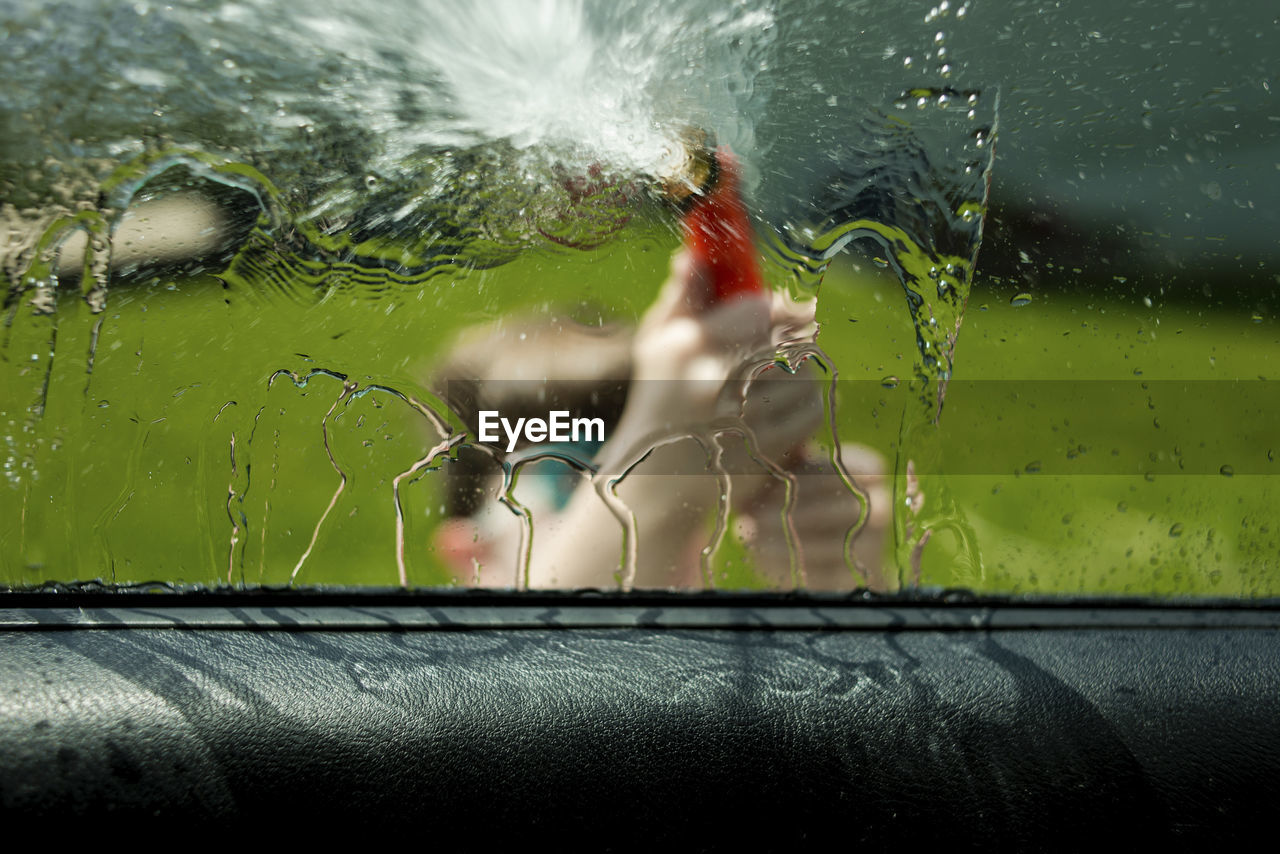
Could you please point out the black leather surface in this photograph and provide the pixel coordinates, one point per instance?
(633, 737)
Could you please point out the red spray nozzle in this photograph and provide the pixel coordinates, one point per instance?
(718, 234)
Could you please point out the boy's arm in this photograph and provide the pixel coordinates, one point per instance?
(689, 364)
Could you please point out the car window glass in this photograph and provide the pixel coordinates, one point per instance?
(825, 295)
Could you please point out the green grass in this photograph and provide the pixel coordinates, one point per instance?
(177, 460)
(1104, 473)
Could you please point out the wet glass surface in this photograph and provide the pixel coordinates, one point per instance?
(1013, 325)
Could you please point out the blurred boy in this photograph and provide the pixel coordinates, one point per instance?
(681, 374)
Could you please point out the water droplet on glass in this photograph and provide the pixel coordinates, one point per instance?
(1226, 471)
(890, 381)
(1020, 300)
(1176, 530)
(1256, 317)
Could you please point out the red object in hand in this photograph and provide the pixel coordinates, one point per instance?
(718, 234)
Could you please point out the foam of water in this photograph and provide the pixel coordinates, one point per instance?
(409, 117)
(555, 72)
(377, 82)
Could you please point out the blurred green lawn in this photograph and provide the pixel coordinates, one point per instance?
(177, 460)
(1108, 384)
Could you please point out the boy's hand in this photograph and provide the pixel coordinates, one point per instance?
(684, 355)
(683, 358)
(678, 340)
(692, 365)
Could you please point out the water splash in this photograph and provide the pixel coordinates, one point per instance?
(373, 120)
